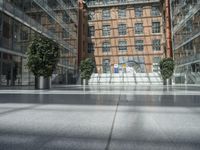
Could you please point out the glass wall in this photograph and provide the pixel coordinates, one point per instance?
(186, 40)
(21, 21)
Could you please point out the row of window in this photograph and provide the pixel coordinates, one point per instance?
(122, 45)
(139, 60)
(128, 59)
(122, 29)
(106, 14)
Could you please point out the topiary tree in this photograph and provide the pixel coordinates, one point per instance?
(43, 56)
(86, 68)
(167, 68)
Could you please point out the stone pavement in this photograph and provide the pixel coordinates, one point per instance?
(101, 118)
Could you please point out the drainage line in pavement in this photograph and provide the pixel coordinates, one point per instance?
(112, 127)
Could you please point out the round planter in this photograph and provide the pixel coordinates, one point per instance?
(167, 82)
(42, 83)
(85, 82)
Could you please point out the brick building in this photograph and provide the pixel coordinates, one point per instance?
(126, 36)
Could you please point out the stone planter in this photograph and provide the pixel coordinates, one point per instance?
(42, 83)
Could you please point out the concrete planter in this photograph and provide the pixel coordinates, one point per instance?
(42, 83)
(85, 82)
(167, 82)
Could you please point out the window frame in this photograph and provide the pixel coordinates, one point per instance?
(121, 12)
(90, 48)
(155, 45)
(155, 27)
(122, 29)
(139, 45)
(139, 29)
(105, 30)
(106, 46)
(106, 14)
(91, 32)
(155, 10)
(138, 11)
(122, 45)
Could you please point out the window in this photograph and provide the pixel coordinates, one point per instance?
(155, 11)
(156, 45)
(139, 45)
(137, 63)
(106, 47)
(138, 28)
(106, 65)
(90, 47)
(91, 31)
(123, 59)
(91, 15)
(122, 29)
(122, 45)
(156, 61)
(155, 27)
(106, 14)
(106, 30)
(122, 12)
(138, 12)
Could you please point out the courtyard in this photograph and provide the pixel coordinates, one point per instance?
(102, 117)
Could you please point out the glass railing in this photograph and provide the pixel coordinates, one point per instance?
(34, 25)
(57, 18)
(187, 59)
(66, 8)
(191, 12)
(186, 38)
(117, 2)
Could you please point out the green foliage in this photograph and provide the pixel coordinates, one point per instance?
(86, 68)
(43, 55)
(167, 68)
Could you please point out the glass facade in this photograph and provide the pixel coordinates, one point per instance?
(21, 21)
(185, 16)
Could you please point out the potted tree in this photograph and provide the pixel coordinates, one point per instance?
(42, 57)
(86, 69)
(167, 70)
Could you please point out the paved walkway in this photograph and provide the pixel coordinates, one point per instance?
(101, 118)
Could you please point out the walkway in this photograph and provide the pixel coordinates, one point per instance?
(101, 118)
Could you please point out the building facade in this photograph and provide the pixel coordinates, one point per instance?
(21, 21)
(125, 35)
(185, 20)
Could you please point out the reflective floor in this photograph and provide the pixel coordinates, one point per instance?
(100, 118)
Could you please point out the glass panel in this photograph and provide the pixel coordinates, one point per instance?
(106, 30)
(106, 14)
(121, 12)
(106, 65)
(106, 47)
(138, 12)
(155, 27)
(123, 45)
(122, 29)
(138, 28)
(139, 45)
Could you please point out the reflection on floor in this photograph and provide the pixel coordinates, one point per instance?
(101, 118)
